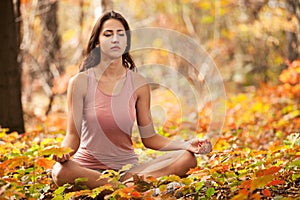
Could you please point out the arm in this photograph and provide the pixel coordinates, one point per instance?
(144, 120)
(76, 92)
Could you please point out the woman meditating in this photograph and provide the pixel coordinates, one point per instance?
(104, 100)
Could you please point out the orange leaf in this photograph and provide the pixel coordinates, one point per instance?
(256, 196)
(45, 163)
(25, 1)
(266, 192)
(193, 170)
(16, 162)
(240, 196)
(245, 184)
(225, 168)
(271, 170)
(3, 167)
(128, 190)
(244, 191)
(151, 179)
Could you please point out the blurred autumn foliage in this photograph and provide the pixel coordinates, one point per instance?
(256, 155)
(290, 78)
(240, 37)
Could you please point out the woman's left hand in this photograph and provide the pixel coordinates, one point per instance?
(200, 146)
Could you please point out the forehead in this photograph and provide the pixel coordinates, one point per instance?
(112, 24)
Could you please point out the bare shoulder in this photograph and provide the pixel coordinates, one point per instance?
(80, 77)
(79, 83)
(140, 82)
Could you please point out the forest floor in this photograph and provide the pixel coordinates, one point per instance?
(256, 155)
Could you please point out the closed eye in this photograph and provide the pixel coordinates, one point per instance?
(121, 33)
(109, 33)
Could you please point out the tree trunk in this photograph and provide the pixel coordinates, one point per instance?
(107, 5)
(51, 66)
(293, 6)
(51, 39)
(11, 113)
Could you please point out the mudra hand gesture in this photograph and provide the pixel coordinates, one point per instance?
(200, 146)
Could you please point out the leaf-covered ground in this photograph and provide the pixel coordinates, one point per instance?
(256, 157)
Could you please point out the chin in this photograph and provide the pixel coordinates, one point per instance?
(115, 55)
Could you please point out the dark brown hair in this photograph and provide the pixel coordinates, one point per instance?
(93, 56)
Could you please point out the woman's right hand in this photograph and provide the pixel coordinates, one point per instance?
(62, 159)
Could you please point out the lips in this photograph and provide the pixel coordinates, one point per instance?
(115, 48)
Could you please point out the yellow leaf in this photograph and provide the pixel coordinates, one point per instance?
(240, 196)
(261, 182)
(54, 150)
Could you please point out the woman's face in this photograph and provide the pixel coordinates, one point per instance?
(113, 39)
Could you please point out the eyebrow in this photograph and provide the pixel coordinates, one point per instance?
(108, 30)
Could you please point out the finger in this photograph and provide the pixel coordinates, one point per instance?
(68, 156)
(55, 157)
(64, 157)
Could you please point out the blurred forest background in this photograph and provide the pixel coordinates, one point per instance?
(250, 41)
(254, 44)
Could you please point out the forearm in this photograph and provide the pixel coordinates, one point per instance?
(72, 142)
(161, 143)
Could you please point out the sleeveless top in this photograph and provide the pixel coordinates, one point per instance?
(107, 126)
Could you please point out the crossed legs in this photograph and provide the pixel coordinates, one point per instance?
(177, 163)
(70, 170)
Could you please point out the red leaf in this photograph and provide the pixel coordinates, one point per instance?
(128, 190)
(276, 182)
(245, 184)
(136, 194)
(244, 191)
(266, 192)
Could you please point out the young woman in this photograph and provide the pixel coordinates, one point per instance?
(104, 100)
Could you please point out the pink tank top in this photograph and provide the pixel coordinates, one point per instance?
(107, 126)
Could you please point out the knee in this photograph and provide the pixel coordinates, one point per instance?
(58, 173)
(190, 159)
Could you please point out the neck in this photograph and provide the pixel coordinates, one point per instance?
(111, 68)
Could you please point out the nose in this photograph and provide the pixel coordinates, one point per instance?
(115, 38)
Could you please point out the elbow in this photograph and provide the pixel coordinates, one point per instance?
(153, 142)
(148, 144)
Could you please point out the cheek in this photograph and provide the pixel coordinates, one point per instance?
(103, 40)
(103, 47)
(104, 43)
(123, 42)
